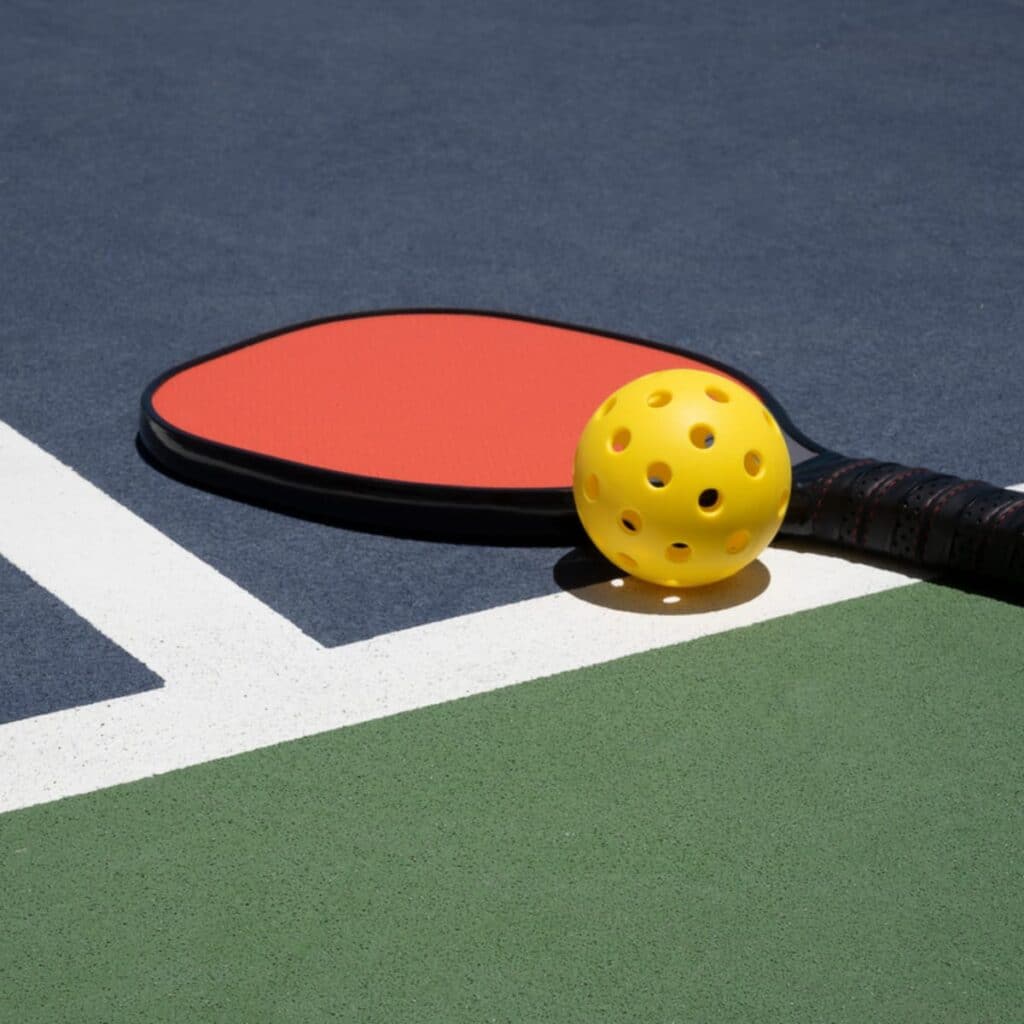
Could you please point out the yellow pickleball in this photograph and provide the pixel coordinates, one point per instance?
(682, 477)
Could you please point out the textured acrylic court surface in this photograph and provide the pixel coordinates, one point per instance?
(817, 818)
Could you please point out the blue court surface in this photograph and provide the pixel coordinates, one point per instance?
(256, 767)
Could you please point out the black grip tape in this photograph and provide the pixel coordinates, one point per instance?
(930, 519)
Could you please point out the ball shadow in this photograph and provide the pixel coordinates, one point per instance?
(588, 576)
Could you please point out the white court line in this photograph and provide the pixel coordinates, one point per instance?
(238, 676)
(169, 609)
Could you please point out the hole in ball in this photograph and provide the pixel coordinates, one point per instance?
(659, 474)
(752, 463)
(608, 406)
(591, 488)
(657, 399)
(625, 561)
(678, 552)
(630, 521)
(716, 394)
(737, 541)
(709, 499)
(702, 436)
(620, 440)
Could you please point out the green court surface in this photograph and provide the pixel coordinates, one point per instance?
(814, 819)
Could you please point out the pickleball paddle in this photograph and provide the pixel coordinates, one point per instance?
(463, 424)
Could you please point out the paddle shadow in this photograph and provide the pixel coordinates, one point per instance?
(588, 576)
(558, 537)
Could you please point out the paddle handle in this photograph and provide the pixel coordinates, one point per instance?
(939, 522)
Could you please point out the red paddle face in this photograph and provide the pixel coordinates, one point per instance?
(436, 398)
(434, 422)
